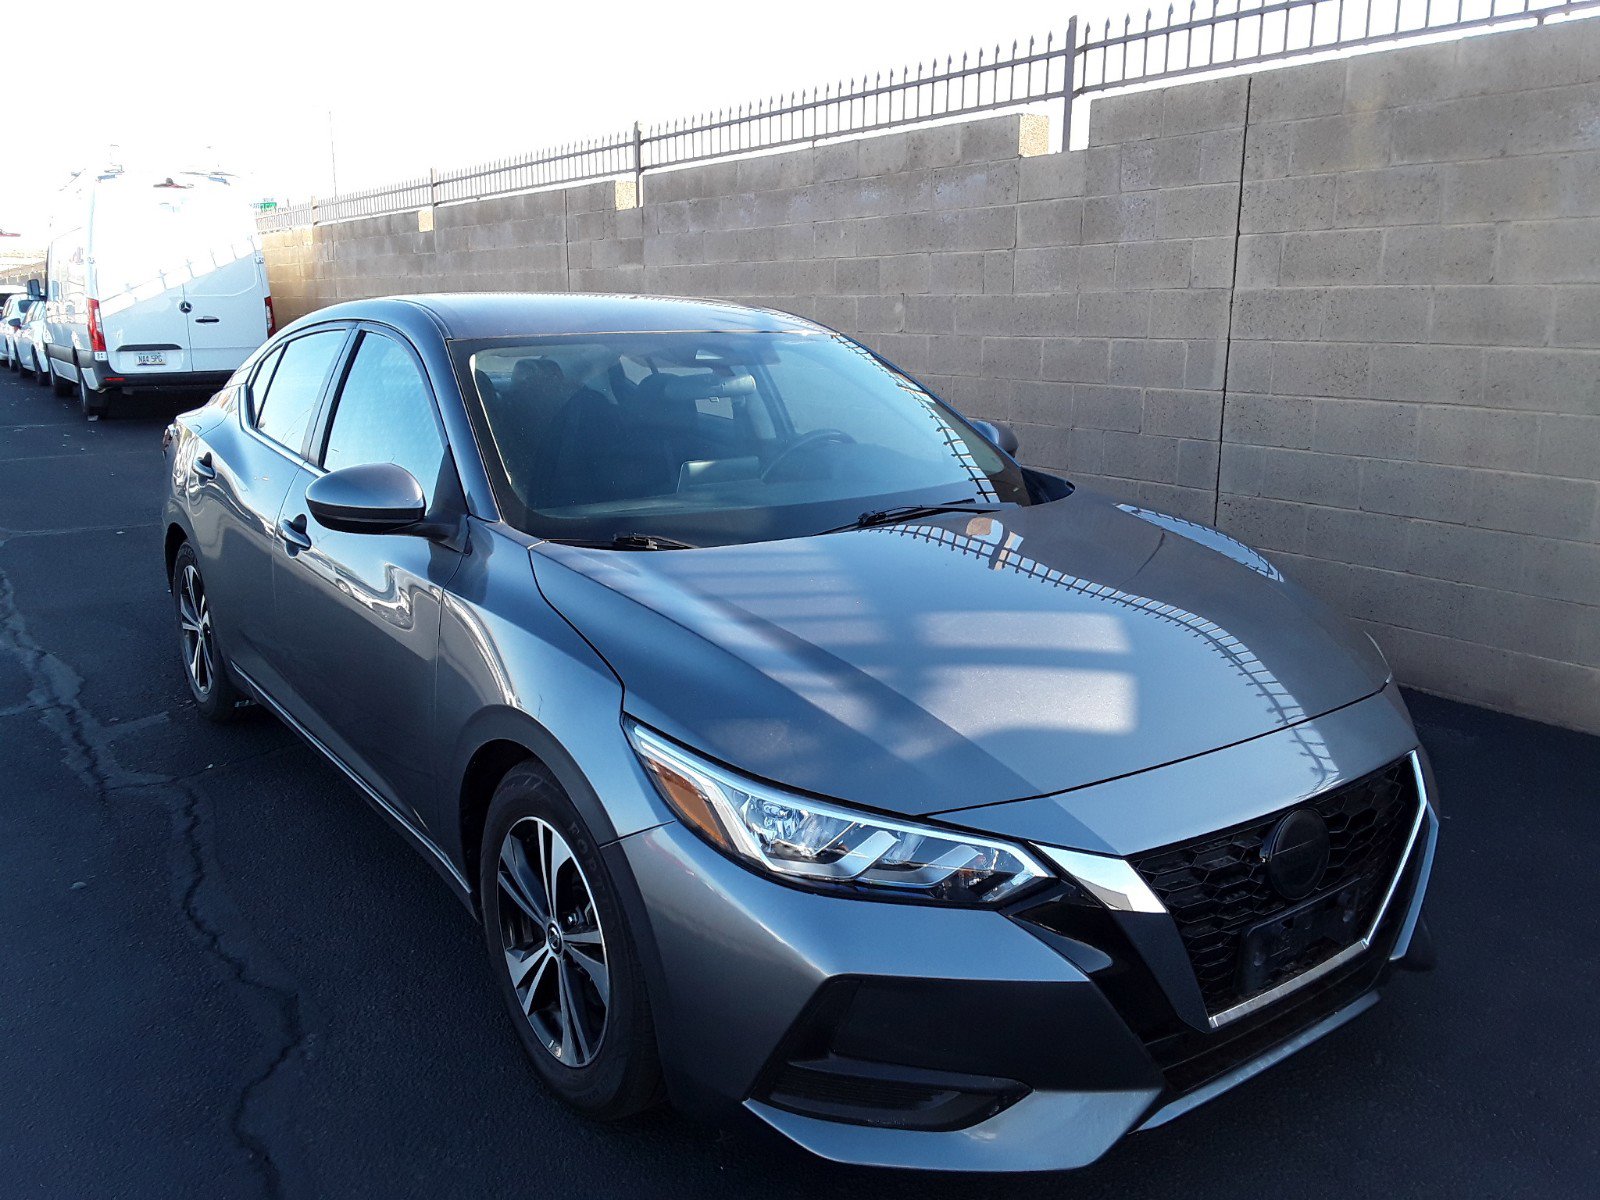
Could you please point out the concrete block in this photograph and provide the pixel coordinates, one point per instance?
(1012, 357)
(1113, 314)
(1077, 360)
(1344, 256)
(1492, 316)
(1538, 504)
(1368, 429)
(1118, 218)
(1348, 142)
(1267, 151)
(1286, 474)
(1577, 316)
(1096, 406)
(1051, 176)
(1376, 314)
(1249, 366)
(1206, 364)
(1502, 189)
(1278, 314)
(957, 274)
(1569, 445)
(1264, 420)
(904, 273)
(1190, 313)
(1508, 63)
(1137, 456)
(955, 354)
(1016, 316)
(1391, 196)
(1197, 468)
(1207, 210)
(1482, 557)
(1050, 223)
(1260, 260)
(1566, 694)
(1263, 524)
(930, 314)
(1427, 374)
(972, 229)
(1164, 264)
(1211, 262)
(1102, 170)
(1165, 162)
(858, 276)
(1459, 254)
(1320, 369)
(1043, 403)
(1554, 381)
(1296, 202)
(1146, 363)
(999, 271)
(977, 185)
(1549, 252)
(1347, 536)
(1563, 570)
(1183, 414)
(881, 314)
(1423, 490)
(1195, 107)
(1479, 437)
(1294, 93)
(834, 239)
(990, 139)
(1399, 78)
(1132, 117)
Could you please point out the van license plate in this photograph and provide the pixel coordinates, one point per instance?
(151, 360)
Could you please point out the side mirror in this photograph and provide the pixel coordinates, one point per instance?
(35, 292)
(1000, 434)
(372, 498)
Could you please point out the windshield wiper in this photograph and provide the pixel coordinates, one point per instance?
(628, 541)
(907, 512)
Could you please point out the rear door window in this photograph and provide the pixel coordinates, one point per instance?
(285, 404)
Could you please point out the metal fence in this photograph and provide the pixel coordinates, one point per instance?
(1215, 36)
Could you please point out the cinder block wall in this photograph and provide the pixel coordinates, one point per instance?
(1347, 311)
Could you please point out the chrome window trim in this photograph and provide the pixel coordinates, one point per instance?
(1117, 885)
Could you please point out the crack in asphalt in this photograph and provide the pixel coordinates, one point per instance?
(55, 695)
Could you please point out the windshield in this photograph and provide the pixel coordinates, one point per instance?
(714, 438)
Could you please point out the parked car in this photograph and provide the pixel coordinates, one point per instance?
(799, 750)
(157, 281)
(32, 343)
(11, 318)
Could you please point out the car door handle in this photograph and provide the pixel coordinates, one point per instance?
(203, 468)
(206, 320)
(293, 533)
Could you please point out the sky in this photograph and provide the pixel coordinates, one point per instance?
(250, 87)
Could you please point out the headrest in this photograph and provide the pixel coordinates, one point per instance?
(536, 371)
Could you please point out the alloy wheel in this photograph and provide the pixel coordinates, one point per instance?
(555, 950)
(194, 619)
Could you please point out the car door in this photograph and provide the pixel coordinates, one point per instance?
(234, 484)
(358, 613)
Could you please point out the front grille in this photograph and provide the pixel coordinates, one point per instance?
(1216, 887)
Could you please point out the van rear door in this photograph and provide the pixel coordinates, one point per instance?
(227, 284)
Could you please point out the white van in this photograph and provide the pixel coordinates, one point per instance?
(152, 281)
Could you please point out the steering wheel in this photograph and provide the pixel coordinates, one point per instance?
(806, 441)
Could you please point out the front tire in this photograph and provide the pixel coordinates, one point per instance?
(41, 371)
(62, 386)
(561, 950)
(203, 665)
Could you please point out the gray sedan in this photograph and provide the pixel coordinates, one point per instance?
(800, 751)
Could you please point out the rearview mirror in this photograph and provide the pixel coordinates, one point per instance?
(1000, 434)
(372, 498)
(35, 292)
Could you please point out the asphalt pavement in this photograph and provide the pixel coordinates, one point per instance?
(222, 975)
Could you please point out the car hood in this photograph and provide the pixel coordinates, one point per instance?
(955, 661)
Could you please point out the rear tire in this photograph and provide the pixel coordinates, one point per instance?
(203, 665)
(561, 950)
(62, 386)
(41, 372)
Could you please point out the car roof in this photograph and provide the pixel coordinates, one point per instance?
(472, 315)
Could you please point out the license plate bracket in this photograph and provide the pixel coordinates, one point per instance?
(1271, 945)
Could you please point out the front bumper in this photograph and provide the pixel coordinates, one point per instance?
(913, 1036)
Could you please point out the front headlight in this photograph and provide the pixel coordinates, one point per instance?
(828, 846)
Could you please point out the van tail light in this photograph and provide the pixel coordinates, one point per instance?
(272, 319)
(97, 335)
